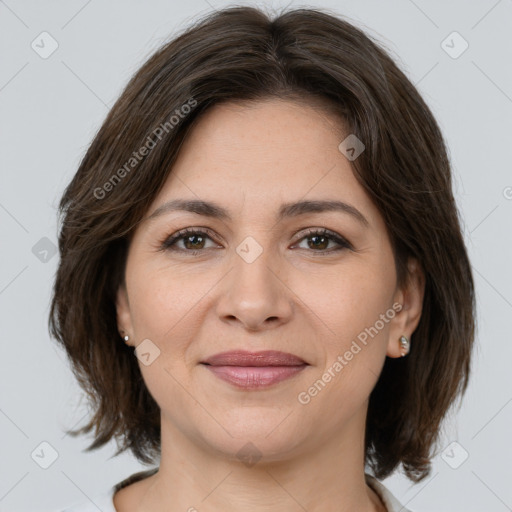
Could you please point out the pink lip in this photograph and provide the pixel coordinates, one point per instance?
(252, 370)
(245, 358)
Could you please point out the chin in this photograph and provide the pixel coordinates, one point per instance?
(257, 438)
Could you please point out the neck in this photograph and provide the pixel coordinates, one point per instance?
(327, 477)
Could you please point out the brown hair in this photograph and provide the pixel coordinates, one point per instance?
(242, 54)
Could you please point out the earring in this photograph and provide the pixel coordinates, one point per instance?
(404, 345)
(126, 338)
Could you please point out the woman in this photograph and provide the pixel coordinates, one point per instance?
(263, 285)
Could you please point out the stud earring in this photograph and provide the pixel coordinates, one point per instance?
(404, 345)
(126, 338)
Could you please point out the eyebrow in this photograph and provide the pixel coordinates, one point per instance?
(209, 209)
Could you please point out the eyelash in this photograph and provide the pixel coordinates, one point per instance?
(168, 243)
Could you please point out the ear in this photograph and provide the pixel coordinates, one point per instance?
(411, 299)
(124, 320)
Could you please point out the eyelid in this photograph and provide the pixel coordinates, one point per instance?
(339, 239)
(169, 241)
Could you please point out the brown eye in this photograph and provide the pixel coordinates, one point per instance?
(319, 240)
(193, 240)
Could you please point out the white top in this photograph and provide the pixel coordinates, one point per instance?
(105, 501)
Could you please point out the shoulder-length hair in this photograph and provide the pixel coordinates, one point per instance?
(242, 54)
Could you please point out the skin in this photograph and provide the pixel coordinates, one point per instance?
(295, 297)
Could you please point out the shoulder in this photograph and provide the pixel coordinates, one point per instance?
(135, 478)
(390, 501)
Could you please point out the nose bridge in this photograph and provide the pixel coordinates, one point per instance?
(254, 294)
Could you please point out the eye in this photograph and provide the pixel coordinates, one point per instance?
(193, 239)
(318, 241)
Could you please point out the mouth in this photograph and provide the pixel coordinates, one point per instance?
(254, 370)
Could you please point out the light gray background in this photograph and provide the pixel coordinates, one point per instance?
(51, 108)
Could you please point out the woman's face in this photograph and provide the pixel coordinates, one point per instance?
(258, 278)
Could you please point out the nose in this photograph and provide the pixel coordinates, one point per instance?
(254, 294)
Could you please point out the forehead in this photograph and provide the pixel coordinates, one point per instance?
(264, 152)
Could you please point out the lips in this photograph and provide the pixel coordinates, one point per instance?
(245, 358)
(254, 370)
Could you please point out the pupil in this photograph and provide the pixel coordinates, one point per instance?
(192, 237)
(317, 238)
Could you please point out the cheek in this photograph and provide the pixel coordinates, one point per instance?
(348, 299)
(350, 303)
(161, 297)
(162, 311)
